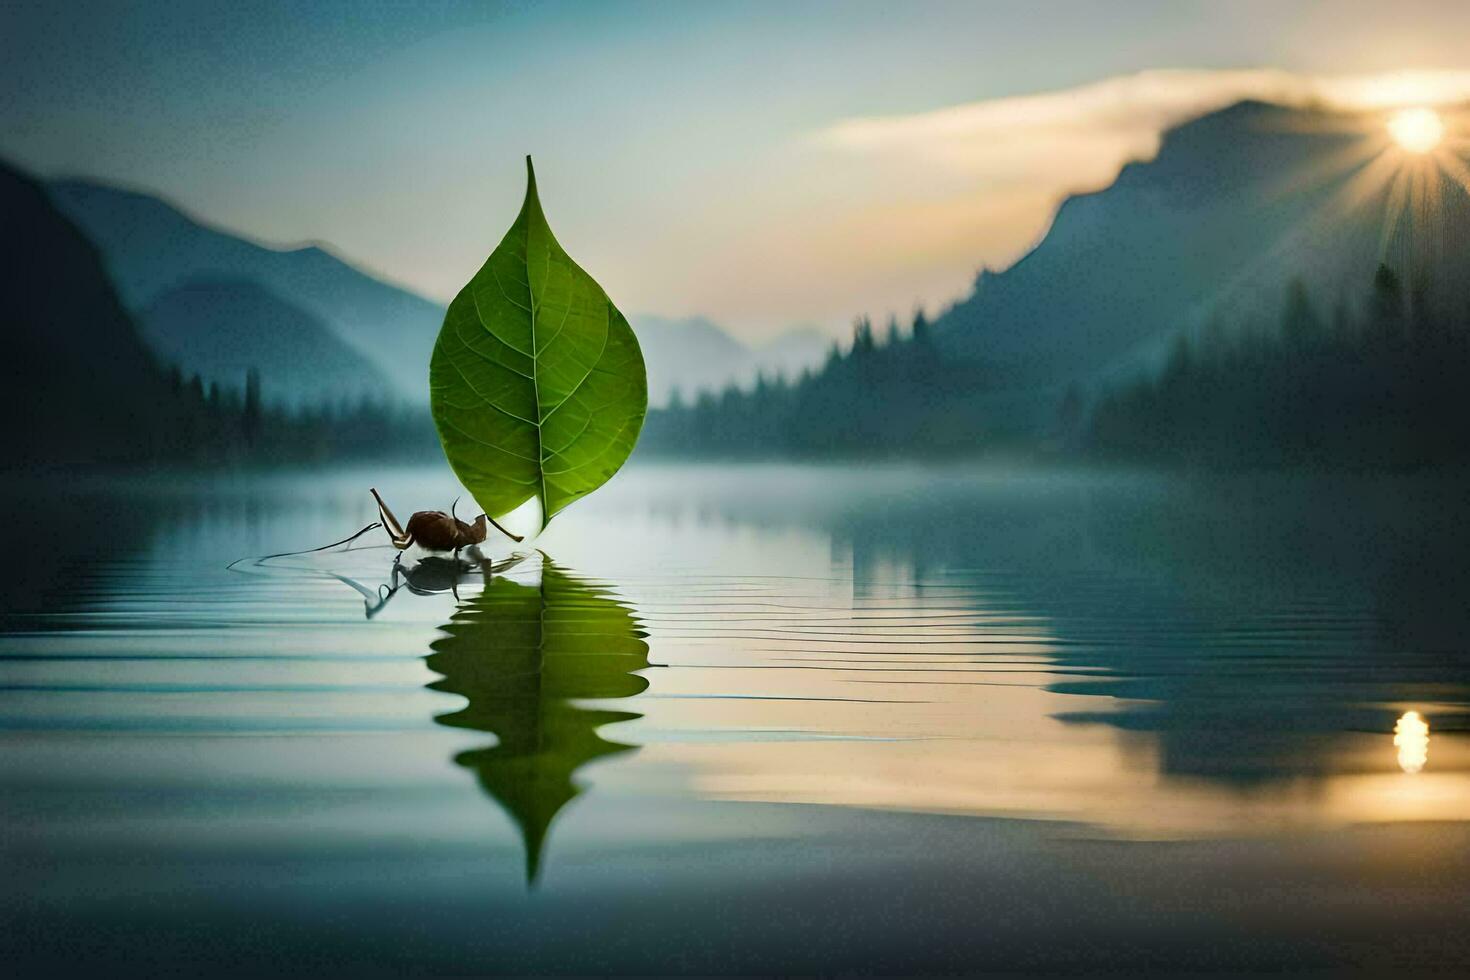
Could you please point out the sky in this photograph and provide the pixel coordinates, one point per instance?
(765, 164)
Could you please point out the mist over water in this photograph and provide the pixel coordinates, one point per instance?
(831, 696)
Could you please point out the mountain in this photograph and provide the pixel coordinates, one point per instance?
(220, 328)
(694, 354)
(152, 247)
(78, 383)
(1278, 288)
(792, 352)
(1234, 206)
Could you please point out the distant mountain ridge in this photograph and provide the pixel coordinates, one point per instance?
(152, 247)
(80, 387)
(1235, 205)
(219, 329)
(694, 354)
(77, 384)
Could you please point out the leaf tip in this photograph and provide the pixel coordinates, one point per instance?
(533, 199)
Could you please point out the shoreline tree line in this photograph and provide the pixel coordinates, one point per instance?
(1380, 387)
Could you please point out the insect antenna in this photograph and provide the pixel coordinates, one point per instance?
(308, 551)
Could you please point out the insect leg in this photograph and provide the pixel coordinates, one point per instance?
(390, 523)
(496, 524)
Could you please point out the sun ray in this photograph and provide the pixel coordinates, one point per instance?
(1355, 156)
(1393, 209)
(1352, 195)
(1454, 168)
(1403, 185)
(1368, 183)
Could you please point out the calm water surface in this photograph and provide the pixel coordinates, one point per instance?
(743, 719)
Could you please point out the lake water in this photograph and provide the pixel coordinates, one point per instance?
(743, 719)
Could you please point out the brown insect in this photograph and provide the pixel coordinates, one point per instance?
(434, 530)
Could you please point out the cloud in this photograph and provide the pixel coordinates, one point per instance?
(914, 204)
(1053, 132)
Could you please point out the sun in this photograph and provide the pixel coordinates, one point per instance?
(1416, 130)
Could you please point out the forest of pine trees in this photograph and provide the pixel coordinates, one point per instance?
(1386, 388)
(888, 396)
(212, 424)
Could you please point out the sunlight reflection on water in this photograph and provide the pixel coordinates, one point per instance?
(1411, 738)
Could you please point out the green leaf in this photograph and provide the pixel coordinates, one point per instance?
(522, 656)
(537, 384)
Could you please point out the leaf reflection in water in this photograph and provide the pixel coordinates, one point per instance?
(521, 654)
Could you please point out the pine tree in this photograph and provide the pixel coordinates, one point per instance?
(1387, 304)
(250, 414)
(920, 333)
(1299, 323)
